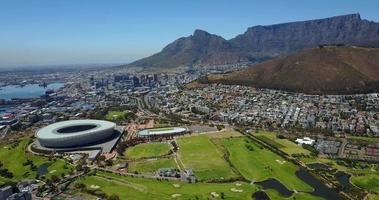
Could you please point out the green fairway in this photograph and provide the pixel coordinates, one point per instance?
(204, 158)
(225, 134)
(367, 181)
(285, 145)
(147, 150)
(13, 156)
(273, 194)
(150, 166)
(141, 189)
(257, 163)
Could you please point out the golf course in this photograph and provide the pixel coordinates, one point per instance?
(14, 157)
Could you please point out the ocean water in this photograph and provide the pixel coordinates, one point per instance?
(27, 91)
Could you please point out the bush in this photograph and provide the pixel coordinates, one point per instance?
(113, 197)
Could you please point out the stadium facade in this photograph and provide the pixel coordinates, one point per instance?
(75, 133)
(156, 132)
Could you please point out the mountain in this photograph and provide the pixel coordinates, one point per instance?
(322, 70)
(263, 42)
(201, 48)
(275, 40)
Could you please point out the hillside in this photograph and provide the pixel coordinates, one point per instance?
(201, 48)
(329, 69)
(263, 42)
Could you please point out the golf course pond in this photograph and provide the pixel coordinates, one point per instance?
(320, 189)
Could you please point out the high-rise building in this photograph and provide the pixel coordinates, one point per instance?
(136, 82)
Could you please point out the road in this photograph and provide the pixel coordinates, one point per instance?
(4, 132)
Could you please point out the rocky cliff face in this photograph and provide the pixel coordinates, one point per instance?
(274, 40)
(264, 42)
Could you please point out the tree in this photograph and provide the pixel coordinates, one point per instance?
(113, 197)
(109, 162)
(101, 158)
(79, 167)
(80, 186)
(222, 195)
(55, 178)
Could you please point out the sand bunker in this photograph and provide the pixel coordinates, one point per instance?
(236, 190)
(95, 186)
(214, 194)
(176, 195)
(281, 161)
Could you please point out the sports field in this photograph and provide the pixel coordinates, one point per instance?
(204, 158)
(285, 145)
(151, 166)
(13, 157)
(258, 164)
(147, 150)
(115, 115)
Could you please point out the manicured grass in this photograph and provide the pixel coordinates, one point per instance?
(141, 189)
(273, 194)
(373, 197)
(285, 145)
(14, 155)
(367, 181)
(204, 158)
(160, 129)
(150, 166)
(147, 150)
(225, 134)
(115, 115)
(367, 139)
(257, 163)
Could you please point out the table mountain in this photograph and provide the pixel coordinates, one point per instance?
(274, 40)
(263, 42)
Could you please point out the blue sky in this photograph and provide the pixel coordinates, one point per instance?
(44, 32)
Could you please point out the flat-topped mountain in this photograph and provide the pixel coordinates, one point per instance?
(263, 42)
(327, 69)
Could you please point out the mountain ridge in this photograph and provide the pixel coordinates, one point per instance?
(260, 43)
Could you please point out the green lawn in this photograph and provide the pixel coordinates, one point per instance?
(153, 130)
(285, 145)
(367, 181)
(147, 150)
(141, 189)
(204, 158)
(13, 157)
(115, 116)
(257, 164)
(150, 166)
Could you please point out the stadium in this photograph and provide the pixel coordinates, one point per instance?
(156, 132)
(74, 133)
(87, 136)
